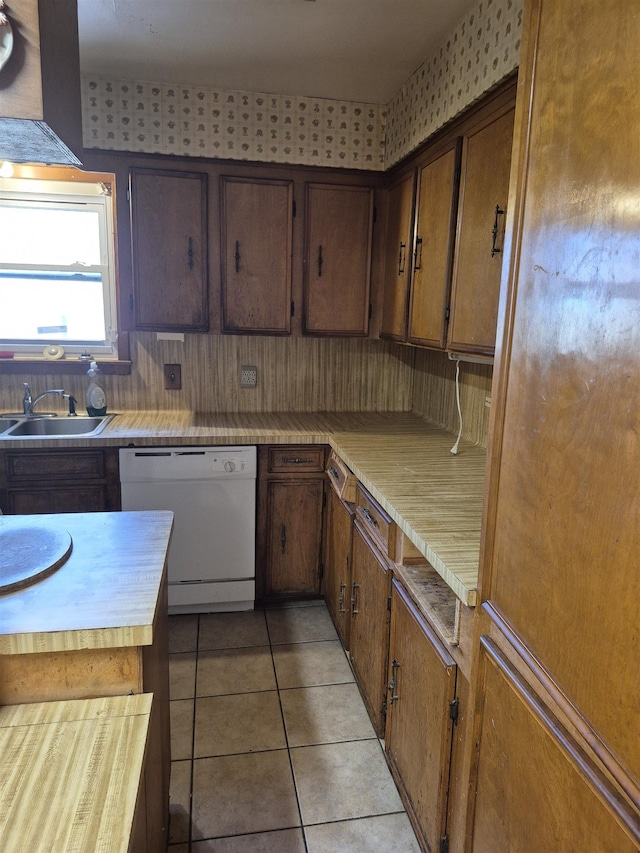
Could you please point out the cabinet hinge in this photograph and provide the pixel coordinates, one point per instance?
(447, 313)
(389, 603)
(294, 208)
(454, 709)
(444, 844)
(383, 709)
(128, 194)
(293, 307)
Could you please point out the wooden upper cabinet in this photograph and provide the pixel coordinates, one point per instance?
(486, 162)
(169, 248)
(256, 241)
(337, 259)
(397, 267)
(433, 248)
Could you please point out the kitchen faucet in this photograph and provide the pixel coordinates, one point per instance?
(28, 403)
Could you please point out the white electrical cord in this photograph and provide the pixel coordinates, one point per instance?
(454, 449)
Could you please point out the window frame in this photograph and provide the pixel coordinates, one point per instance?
(68, 187)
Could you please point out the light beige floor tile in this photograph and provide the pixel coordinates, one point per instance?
(182, 675)
(280, 841)
(183, 633)
(233, 630)
(384, 834)
(179, 801)
(300, 625)
(244, 722)
(235, 671)
(247, 793)
(326, 714)
(181, 728)
(339, 781)
(311, 664)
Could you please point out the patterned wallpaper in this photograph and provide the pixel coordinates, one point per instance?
(129, 115)
(188, 120)
(481, 51)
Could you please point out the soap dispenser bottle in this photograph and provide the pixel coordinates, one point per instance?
(96, 399)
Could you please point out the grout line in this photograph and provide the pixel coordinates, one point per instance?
(286, 738)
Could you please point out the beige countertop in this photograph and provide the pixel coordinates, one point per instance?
(70, 773)
(104, 596)
(406, 464)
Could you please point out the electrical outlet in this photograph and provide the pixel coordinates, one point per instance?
(487, 402)
(172, 377)
(248, 376)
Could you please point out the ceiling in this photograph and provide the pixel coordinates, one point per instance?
(354, 50)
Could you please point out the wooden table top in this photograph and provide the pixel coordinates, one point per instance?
(70, 773)
(405, 462)
(105, 594)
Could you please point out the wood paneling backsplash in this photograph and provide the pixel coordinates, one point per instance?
(294, 374)
(434, 394)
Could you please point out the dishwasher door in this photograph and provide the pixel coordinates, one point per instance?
(212, 493)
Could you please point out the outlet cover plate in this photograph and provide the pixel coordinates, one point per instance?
(248, 376)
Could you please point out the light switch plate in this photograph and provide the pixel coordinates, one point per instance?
(172, 377)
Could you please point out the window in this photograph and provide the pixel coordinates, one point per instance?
(57, 282)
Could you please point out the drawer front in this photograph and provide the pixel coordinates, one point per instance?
(341, 478)
(296, 458)
(84, 465)
(376, 522)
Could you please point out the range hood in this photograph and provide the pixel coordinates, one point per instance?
(40, 113)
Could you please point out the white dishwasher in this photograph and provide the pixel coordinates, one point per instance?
(212, 493)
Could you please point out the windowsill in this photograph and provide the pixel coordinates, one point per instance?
(41, 366)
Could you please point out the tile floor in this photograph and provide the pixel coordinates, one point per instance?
(272, 748)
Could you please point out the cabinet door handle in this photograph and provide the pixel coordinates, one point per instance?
(283, 538)
(320, 261)
(190, 254)
(354, 587)
(296, 460)
(341, 609)
(417, 254)
(333, 472)
(494, 231)
(393, 683)
(402, 257)
(369, 517)
(237, 256)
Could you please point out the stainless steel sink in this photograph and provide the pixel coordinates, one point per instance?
(5, 423)
(57, 427)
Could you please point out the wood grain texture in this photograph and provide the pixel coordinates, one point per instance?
(404, 461)
(70, 774)
(104, 596)
(294, 375)
(562, 512)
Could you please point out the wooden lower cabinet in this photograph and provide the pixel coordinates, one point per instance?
(369, 632)
(421, 705)
(337, 563)
(46, 481)
(529, 797)
(291, 485)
